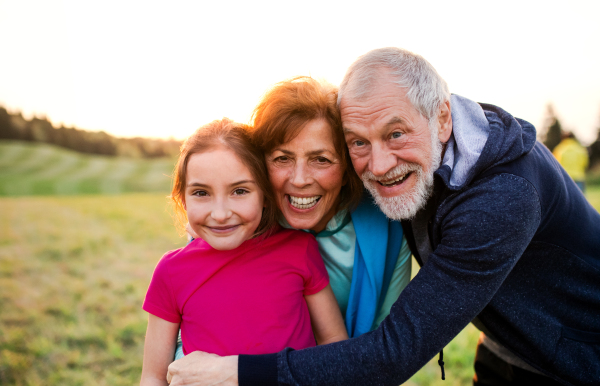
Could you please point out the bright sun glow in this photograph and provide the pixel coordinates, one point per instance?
(162, 69)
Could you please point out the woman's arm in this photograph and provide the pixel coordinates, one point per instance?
(158, 350)
(325, 317)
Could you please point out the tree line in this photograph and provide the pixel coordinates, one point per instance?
(14, 126)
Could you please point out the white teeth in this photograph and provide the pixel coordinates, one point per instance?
(304, 202)
(388, 183)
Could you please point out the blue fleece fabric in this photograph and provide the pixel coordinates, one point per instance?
(515, 244)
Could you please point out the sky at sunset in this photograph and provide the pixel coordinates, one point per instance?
(161, 69)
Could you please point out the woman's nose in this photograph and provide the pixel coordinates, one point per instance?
(301, 175)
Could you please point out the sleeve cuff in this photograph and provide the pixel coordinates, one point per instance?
(257, 370)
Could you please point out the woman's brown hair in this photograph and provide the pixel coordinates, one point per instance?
(235, 137)
(284, 111)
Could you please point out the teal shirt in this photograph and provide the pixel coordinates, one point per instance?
(337, 250)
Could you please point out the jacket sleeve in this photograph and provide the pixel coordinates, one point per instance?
(484, 231)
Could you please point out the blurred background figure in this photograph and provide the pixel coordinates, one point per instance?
(573, 158)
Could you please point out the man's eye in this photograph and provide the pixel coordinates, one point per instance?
(281, 158)
(359, 143)
(396, 134)
(240, 192)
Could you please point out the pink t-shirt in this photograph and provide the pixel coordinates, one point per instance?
(249, 300)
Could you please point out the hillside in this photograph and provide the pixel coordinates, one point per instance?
(32, 168)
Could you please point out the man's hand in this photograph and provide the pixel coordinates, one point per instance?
(202, 369)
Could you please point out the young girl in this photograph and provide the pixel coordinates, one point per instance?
(245, 286)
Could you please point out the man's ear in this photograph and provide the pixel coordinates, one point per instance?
(445, 122)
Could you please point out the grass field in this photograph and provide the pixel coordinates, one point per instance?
(28, 168)
(74, 270)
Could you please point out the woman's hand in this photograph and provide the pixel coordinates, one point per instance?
(202, 369)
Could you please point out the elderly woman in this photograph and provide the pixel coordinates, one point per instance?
(298, 127)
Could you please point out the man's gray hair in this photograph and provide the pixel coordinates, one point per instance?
(427, 91)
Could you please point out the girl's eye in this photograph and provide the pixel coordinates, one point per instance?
(396, 134)
(200, 193)
(240, 192)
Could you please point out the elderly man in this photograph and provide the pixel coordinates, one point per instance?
(504, 237)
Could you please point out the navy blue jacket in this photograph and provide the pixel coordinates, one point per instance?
(515, 243)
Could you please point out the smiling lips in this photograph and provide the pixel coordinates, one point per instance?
(396, 181)
(303, 202)
(224, 229)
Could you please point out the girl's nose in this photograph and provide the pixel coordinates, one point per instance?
(221, 211)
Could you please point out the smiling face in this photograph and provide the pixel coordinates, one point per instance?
(307, 176)
(223, 202)
(393, 147)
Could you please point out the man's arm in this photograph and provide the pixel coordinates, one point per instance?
(482, 238)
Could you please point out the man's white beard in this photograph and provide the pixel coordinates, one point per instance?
(406, 206)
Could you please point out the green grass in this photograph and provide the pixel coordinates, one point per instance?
(593, 195)
(28, 168)
(73, 275)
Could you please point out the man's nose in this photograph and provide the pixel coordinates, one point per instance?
(301, 175)
(382, 160)
(220, 211)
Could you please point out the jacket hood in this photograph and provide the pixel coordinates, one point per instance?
(483, 136)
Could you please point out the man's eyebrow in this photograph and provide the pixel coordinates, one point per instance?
(394, 121)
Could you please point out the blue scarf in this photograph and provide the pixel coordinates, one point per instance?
(376, 237)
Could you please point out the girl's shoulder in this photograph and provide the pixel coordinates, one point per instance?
(196, 246)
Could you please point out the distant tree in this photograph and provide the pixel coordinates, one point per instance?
(553, 129)
(40, 129)
(6, 128)
(594, 150)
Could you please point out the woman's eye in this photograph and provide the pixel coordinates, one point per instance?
(281, 159)
(322, 160)
(396, 134)
(240, 192)
(200, 193)
(358, 143)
